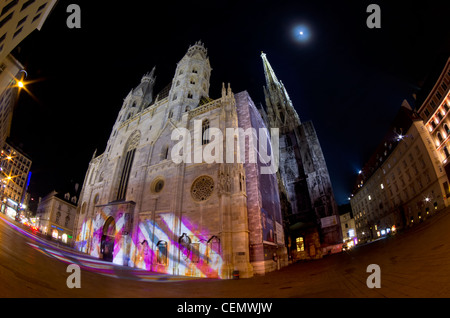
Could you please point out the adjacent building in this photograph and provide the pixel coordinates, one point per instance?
(15, 175)
(348, 225)
(18, 18)
(403, 183)
(433, 109)
(9, 75)
(56, 214)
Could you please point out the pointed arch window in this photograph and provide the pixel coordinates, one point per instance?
(127, 164)
(441, 139)
(205, 132)
(189, 95)
(165, 153)
(161, 249)
(125, 176)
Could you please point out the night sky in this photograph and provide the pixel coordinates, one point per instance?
(348, 79)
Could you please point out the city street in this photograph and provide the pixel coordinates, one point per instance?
(414, 263)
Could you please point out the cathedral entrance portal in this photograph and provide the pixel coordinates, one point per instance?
(109, 231)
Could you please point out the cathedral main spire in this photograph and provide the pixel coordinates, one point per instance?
(280, 110)
(271, 78)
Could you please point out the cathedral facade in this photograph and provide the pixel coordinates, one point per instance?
(204, 215)
(190, 185)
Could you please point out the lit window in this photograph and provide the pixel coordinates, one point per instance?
(300, 244)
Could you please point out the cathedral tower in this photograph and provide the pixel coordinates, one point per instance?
(281, 114)
(280, 111)
(303, 173)
(191, 81)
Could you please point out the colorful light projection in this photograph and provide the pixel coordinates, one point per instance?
(154, 246)
(83, 235)
(108, 240)
(191, 254)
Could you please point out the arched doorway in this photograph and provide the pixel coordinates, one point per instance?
(109, 232)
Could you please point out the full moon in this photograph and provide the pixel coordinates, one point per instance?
(301, 33)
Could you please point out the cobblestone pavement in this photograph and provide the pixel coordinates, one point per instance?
(414, 263)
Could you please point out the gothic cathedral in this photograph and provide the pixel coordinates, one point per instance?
(176, 190)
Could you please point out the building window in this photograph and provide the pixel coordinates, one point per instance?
(5, 20)
(161, 257)
(17, 32)
(157, 185)
(440, 137)
(9, 6)
(205, 132)
(213, 250)
(125, 176)
(184, 243)
(165, 153)
(21, 22)
(27, 4)
(446, 152)
(41, 7)
(36, 17)
(195, 250)
(300, 244)
(189, 95)
(433, 124)
(202, 188)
